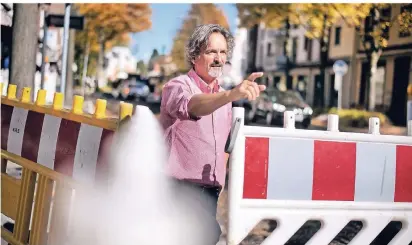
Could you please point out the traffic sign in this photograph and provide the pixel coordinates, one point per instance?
(340, 67)
(57, 20)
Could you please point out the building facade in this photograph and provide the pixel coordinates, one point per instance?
(387, 94)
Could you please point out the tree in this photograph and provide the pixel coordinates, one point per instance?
(87, 50)
(279, 16)
(25, 38)
(155, 53)
(373, 30)
(141, 68)
(317, 20)
(105, 26)
(198, 14)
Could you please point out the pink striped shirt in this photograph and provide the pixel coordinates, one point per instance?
(196, 145)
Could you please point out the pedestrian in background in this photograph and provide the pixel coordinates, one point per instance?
(196, 115)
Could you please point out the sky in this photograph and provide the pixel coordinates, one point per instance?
(166, 20)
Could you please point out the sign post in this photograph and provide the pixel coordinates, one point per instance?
(340, 68)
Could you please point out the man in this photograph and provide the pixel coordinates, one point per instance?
(196, 115)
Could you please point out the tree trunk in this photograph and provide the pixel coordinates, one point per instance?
(372, 79)
(25, 45)
(100, 69)
(286, 53)
(324, 48)
(373, 54)
(85, 62)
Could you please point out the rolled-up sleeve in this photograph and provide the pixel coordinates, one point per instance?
(175, 100)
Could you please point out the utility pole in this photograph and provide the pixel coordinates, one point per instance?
(43, 15)
(66, 35)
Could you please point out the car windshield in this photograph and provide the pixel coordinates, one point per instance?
(286, 97)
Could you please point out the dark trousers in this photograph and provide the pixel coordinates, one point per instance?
(204, 201)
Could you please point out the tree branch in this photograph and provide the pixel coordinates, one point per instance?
(341, 15)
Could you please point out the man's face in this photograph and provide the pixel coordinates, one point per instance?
(211, 60)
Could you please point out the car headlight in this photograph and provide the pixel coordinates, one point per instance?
(279, 107)
(297, 111)
(307, 111)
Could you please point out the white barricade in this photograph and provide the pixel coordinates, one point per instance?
(293, 176)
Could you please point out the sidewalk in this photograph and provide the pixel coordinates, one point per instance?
(321, 122)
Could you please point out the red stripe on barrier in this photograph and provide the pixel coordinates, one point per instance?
(403, 183)
(32, 134)
(334, 171)
(256, 168)
(6, 113)
(66, 146)
(102, 157)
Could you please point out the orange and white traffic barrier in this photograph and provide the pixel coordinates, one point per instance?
(293, 176)
(59, 150)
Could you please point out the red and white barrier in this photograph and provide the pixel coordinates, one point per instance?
(293, 176)
(66, 146)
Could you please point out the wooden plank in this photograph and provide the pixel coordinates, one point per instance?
(10, 192)
(8, 236)
(38, 234)
(21, 229)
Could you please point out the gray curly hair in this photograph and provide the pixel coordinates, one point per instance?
(200, 38)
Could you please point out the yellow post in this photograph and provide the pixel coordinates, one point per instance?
(126, 109)
(11, 91)
(25, 96)
(41, 97)
(409, 91)
(78, 104)
(1, 89)
(58, 101)
(100, 111)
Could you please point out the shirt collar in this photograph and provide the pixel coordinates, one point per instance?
(204, 87)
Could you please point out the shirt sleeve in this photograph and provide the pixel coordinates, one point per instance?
(229, 116)
(175, 100)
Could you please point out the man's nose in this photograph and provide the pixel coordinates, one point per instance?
(218, 58)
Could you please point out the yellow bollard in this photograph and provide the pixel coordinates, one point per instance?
(58, 101)
(78, 104)
(41, 97)
(126, 109)
(100, 111)
(409, 91)
(1, 89)
(11, 91)
(25, 96)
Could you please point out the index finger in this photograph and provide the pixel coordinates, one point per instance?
(254, 75)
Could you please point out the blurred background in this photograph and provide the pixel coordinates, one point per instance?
(128, 51)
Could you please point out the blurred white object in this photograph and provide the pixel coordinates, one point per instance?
(140, 205)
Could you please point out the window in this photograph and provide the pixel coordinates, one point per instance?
(308, 48)
(269, 50)
(337, 35)
(294, 48)
(386, 17)
(406, 31)
(306, 43)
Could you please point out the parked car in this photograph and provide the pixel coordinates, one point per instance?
(272, 103)
(133, 89)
